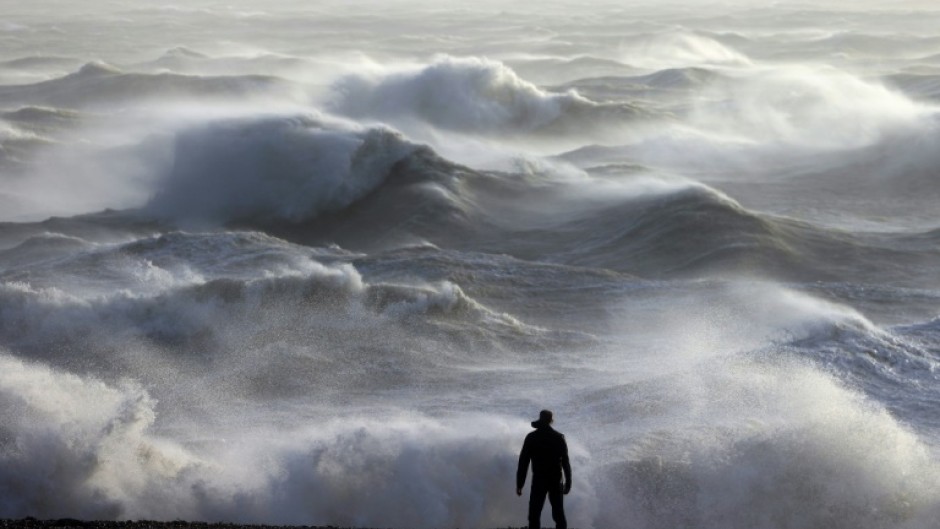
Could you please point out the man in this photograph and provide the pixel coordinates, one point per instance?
(548, 452)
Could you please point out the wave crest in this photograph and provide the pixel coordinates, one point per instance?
(291, 168)
(466, 94)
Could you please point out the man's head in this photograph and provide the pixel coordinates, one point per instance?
(545, 418)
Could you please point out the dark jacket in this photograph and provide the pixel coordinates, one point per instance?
(548, 452)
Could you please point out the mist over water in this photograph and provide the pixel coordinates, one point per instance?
(322, 263)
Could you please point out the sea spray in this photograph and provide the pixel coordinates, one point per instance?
(303, 264)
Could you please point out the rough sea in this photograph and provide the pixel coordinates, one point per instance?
(322, 262)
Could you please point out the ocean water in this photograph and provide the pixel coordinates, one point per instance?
(322, 262)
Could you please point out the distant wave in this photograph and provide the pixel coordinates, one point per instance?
(656, 85)
(885, 44)
(697, 230)
(38, 115)
(470, 95)
(820, 107)
(921, 86)
(677, 78)
(23, 131)
(40, 247)
(35, 68)
(289, 168)
(561, 69)
(679, 48)
(38, 61)
(189, 61)
(100, 84)
(690, 230)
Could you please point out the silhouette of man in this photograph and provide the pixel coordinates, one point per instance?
(548, 452)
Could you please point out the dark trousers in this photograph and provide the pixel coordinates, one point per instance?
(537, 501)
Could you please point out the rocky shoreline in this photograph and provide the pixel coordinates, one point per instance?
(32, 523)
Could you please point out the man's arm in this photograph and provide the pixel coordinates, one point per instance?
(524, 457)
(565, 464)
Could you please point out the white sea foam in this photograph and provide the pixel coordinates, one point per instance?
(74, 446)
(680, 48)
(792, 446)
(106, 460)
(314, 371)
(791, 440)
(465, 94)
(806, 107)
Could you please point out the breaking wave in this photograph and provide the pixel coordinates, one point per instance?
(802, 449)
(98, 447)
(806, 106)
(199, 293)
(312, 265)
(290, 168)
(681, 49)
(469, 95)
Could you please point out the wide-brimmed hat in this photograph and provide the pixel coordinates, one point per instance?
(545, 418)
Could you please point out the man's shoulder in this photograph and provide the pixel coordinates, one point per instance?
(531, 436)
(555, 433)
(545, 432)
(558, 439)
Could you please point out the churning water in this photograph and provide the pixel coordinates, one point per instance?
(322, 262)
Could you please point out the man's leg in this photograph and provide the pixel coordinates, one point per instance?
(536, 502)
(557, 498)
